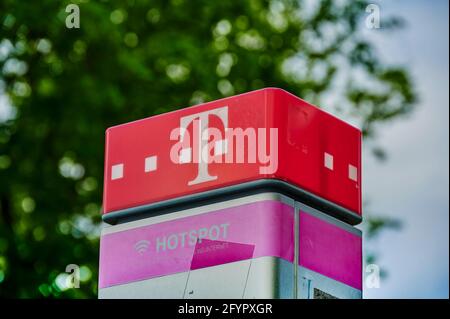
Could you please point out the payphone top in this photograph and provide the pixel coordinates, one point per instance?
(264, 138)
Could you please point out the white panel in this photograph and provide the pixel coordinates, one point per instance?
(166, 287)
(116, 171)
(328, 161)
(150, 164)
(224, 281)
(353, 173)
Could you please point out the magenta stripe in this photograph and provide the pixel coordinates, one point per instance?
(264, 228)
(330, 250)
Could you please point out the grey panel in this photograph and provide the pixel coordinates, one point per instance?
(167, 287)
(270, 277)
(224, 281)
(264, 277)
(309, 280)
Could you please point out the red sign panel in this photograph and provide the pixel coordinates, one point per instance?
(263, 134)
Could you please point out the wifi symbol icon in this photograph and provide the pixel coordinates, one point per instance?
(141, 246)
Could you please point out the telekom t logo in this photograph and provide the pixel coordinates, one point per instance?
(209, 144)
(201, 126)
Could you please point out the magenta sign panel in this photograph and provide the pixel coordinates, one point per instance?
(259, 229)
(264, 228)
(330, 250)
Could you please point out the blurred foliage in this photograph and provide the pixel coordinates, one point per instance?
(135, 58)
(376, 224)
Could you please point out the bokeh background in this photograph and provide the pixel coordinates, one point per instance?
(60, 88)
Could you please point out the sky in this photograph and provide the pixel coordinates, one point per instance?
(413, 184)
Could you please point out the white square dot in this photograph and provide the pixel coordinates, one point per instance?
(116, 171)
(220, 147)
(150, 164)
(328, 161)
(185, 155)
(353, 173)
